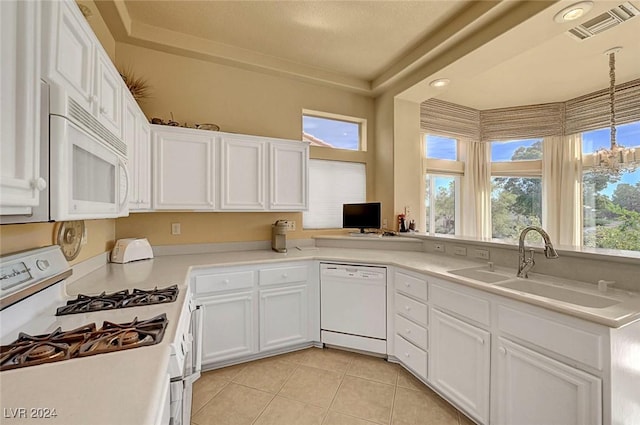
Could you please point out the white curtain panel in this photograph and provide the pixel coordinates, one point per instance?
(476, 191)
(561, 188)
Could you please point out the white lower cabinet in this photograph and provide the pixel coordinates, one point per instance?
(283, 317)
(228, 326)
(534, 389)
(254, 309)
(459, 363)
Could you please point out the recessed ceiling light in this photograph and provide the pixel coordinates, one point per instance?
(440, 82)
(573, 12)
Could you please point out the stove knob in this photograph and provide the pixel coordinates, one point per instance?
(42, 264)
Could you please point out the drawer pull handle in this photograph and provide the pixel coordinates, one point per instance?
(407, 355)
(407, 284)
(408, 331)
(406, 307)
(502, 350)
(284, 275)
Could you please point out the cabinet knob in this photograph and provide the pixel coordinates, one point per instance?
(103, 110)
(226, 281)
(89, 98)
(94, 98)
(39, 184)
(406, 354)
(502, 350)
(406, 307)
(407, 284)
(408, 331)
(480, 341)
(284, 275)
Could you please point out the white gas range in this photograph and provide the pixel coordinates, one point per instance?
(126, 364)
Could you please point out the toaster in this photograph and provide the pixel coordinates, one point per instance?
(131, 249)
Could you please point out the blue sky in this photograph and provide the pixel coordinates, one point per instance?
(340, 134)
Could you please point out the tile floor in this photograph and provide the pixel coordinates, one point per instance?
(318, 387)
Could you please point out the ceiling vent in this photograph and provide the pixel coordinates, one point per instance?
(603, 22)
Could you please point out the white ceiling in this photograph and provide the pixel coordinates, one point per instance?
(365, 45)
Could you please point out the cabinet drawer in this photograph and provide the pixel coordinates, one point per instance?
(411, 286)
(411, 356)
(412, 332)
(283, 275)
(223, 282)
(577, 344)
(463, 304)
(412, 309)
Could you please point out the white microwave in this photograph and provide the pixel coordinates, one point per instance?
(89, 178)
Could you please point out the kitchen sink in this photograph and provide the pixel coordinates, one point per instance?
(483, 274)
(559, 293)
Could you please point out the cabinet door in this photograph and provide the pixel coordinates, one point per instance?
(288, 176)
(129, 134)
(108, 91)
(459, 363)
(143, 162)
(283, 317)
(536, 390)
(70, 59)
(242, 173)
(228, 327)
(20, 178)
(183, 175)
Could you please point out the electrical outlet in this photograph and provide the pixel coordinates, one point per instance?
(407, 211)
(384, 223)
(175, 228)
(438, 247)
(481, 253)
(459, 250)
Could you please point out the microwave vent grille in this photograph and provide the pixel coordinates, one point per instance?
(79, 114)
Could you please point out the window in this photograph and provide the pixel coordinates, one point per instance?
(516, 187)
(334, 131)
(331, 184)
(441, 204)
(437, 147)
(611, 204)
(442, 171)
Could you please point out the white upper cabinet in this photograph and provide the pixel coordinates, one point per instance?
(183, 176)
(242, 173)
(205, 170)
(69, 57)
(75, 62)
(288, 176)
(108, 91)
(20, 180)
(136, 133)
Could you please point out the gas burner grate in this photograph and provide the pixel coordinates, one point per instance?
(121, 299)
(59, 345)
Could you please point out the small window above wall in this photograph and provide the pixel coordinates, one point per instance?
(334, 131)
(438, 147)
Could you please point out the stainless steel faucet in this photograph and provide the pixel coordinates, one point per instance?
(526, 264)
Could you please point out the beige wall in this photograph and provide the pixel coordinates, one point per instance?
(99, 27)
(240, 101)
(18, 237)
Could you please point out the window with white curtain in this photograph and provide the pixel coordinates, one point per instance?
(516, 187)
(441, 170)
(611, 204)
(332, 184)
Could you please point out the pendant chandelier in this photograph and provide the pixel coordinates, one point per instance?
(617, 159)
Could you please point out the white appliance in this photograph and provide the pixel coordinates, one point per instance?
(32, 287)
(354, 306)
(185, 363)
(89, 177)
(131, 249)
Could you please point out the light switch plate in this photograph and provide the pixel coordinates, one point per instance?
(175, 228)
(459, 250)
(481, 253)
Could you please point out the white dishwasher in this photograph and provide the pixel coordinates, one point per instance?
(353, 306)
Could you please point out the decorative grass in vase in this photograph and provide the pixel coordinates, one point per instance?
(138, 86)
